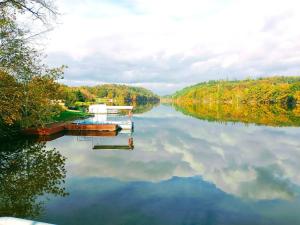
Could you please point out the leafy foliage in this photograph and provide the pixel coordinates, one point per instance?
(108, 93)
(42, 10)
(29, 91)
(11, 97)
(265, 101)
(69, 115)
(281, 90)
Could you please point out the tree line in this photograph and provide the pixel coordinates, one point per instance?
(272, 101)
(75, 97)
(269, 90)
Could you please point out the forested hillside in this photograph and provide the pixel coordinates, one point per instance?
(107, 93)
(283, 90)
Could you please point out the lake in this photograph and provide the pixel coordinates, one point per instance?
(182, 170)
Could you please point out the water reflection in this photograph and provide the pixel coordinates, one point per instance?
(182, 171)
(144, 107)
(28, 171)
(175, 201)
(270, 115)
(254, 162)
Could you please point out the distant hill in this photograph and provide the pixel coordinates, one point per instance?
(277, 89)
(107, 93)
(122, 92)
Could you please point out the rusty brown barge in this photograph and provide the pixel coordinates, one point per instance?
(60, 127)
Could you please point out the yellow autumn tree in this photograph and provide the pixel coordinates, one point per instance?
(11, 97)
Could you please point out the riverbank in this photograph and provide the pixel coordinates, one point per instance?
(69, 115)
(60, 123)
(15, 130)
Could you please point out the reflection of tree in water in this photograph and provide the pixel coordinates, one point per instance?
(27, 171)
(144, 107)
(263, 114)
(138, 107)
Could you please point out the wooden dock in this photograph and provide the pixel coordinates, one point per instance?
(61, 127)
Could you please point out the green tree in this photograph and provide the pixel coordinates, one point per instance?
(21, 61)
(80, 97)
(11, 97)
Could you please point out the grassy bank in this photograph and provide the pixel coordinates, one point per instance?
(70, 115)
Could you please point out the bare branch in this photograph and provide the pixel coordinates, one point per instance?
(40, 9)
(40, 33)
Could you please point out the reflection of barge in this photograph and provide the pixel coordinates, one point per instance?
(130, 146)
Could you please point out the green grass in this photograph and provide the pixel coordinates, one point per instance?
(70, 115)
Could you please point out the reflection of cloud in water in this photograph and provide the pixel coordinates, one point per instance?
(268, 183)
(175, 201)
(249, 161)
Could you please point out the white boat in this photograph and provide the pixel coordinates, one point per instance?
(17, 221)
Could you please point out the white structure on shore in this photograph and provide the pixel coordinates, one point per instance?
(101, 112)
(104, 109)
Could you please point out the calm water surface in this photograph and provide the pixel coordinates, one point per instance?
(182, 171)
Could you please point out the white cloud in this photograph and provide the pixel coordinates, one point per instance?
(178, 41)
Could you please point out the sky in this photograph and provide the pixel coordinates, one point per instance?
(165, 45)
